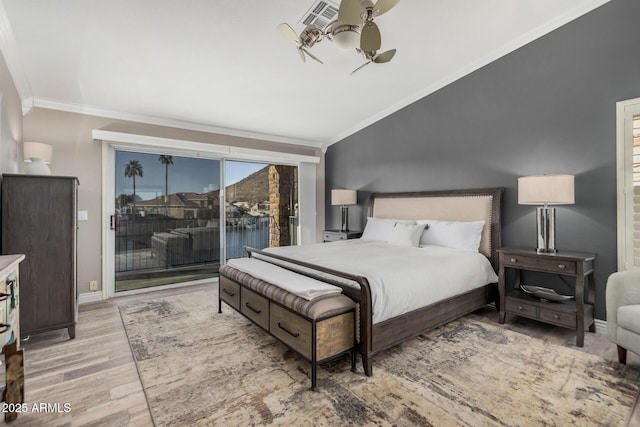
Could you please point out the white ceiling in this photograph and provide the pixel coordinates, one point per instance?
(222, 66)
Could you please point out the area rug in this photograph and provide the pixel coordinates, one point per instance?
(200, 368)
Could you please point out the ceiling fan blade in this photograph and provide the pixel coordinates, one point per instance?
(350, 11)
(384, 56)
(383, 6)
(288, 32)
(370, 39)
(311, 55)
(361, 67)
(301, 52)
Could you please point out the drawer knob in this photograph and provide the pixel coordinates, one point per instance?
(514, 260)
(562, 266)
(293, 334)
(520, 307)
(555, 316)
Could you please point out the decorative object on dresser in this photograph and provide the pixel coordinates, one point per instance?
(13, 394)
(38, 155)
(39, 219)
(343, 198)
(623, 311)
(337, 235)
(546, 190)
(576, 315)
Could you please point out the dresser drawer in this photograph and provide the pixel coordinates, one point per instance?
(255, 307)
(540, 264)
(560, 318)
(521, 308)
(291, 329)
(229, 292)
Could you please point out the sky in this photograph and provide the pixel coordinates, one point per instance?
(187, 174)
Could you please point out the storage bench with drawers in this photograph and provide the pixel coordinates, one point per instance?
(319, 330)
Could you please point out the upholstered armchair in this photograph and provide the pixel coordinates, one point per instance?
(623, 312)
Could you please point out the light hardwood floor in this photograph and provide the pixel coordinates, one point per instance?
(96, 375)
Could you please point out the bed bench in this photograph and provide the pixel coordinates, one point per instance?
(319, 330)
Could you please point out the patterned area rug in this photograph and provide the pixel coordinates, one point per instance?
(199, 367)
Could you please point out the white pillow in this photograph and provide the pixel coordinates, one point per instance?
(380, 228)
(406, 234)
(452, 234)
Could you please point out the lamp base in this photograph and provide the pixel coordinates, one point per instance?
(344, 218)
(37, 167)
(546, 229)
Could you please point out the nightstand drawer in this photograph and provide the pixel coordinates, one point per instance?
(333, 237)
(521, 308)
(560, 318)
(540, 264)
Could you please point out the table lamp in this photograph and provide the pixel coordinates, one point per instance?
(546, 190)
(343, 198)
(38, 155)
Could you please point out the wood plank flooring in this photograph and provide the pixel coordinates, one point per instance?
(95, 373)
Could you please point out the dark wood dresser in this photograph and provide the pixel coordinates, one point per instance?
(39, 220)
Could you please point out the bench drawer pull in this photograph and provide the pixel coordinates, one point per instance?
(4, 327)
(256, 311)
(293, 334)
(231, 294)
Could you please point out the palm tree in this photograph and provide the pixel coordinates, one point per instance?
(131, 170)
(166, 160)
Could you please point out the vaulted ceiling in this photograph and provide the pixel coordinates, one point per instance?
(222, 66)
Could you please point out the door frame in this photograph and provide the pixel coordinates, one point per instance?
(307, 172)
(625, 111)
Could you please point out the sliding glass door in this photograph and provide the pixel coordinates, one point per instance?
(166, 219)
(172, 223)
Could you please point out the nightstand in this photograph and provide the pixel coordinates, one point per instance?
(335, 235)
(576, 314)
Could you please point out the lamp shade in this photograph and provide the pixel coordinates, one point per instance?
(546, 190)
(343, 197)
(38, 150)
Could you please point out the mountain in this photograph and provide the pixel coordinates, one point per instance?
(252, 189)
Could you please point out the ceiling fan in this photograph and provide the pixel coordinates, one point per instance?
(354, 29)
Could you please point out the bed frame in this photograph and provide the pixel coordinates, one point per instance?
(455, 205)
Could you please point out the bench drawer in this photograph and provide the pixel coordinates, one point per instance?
(255, 307)
(291, 329)
(229, 292)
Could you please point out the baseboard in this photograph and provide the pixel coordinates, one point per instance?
(90, 297)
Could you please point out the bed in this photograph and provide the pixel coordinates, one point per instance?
(380, 328)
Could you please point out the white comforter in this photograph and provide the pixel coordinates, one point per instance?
(401, 278)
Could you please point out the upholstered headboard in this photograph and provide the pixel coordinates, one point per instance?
(454, 205)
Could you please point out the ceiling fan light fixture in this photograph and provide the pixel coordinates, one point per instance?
(344, 36)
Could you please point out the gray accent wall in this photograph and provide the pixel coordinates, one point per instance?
(548, 107)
